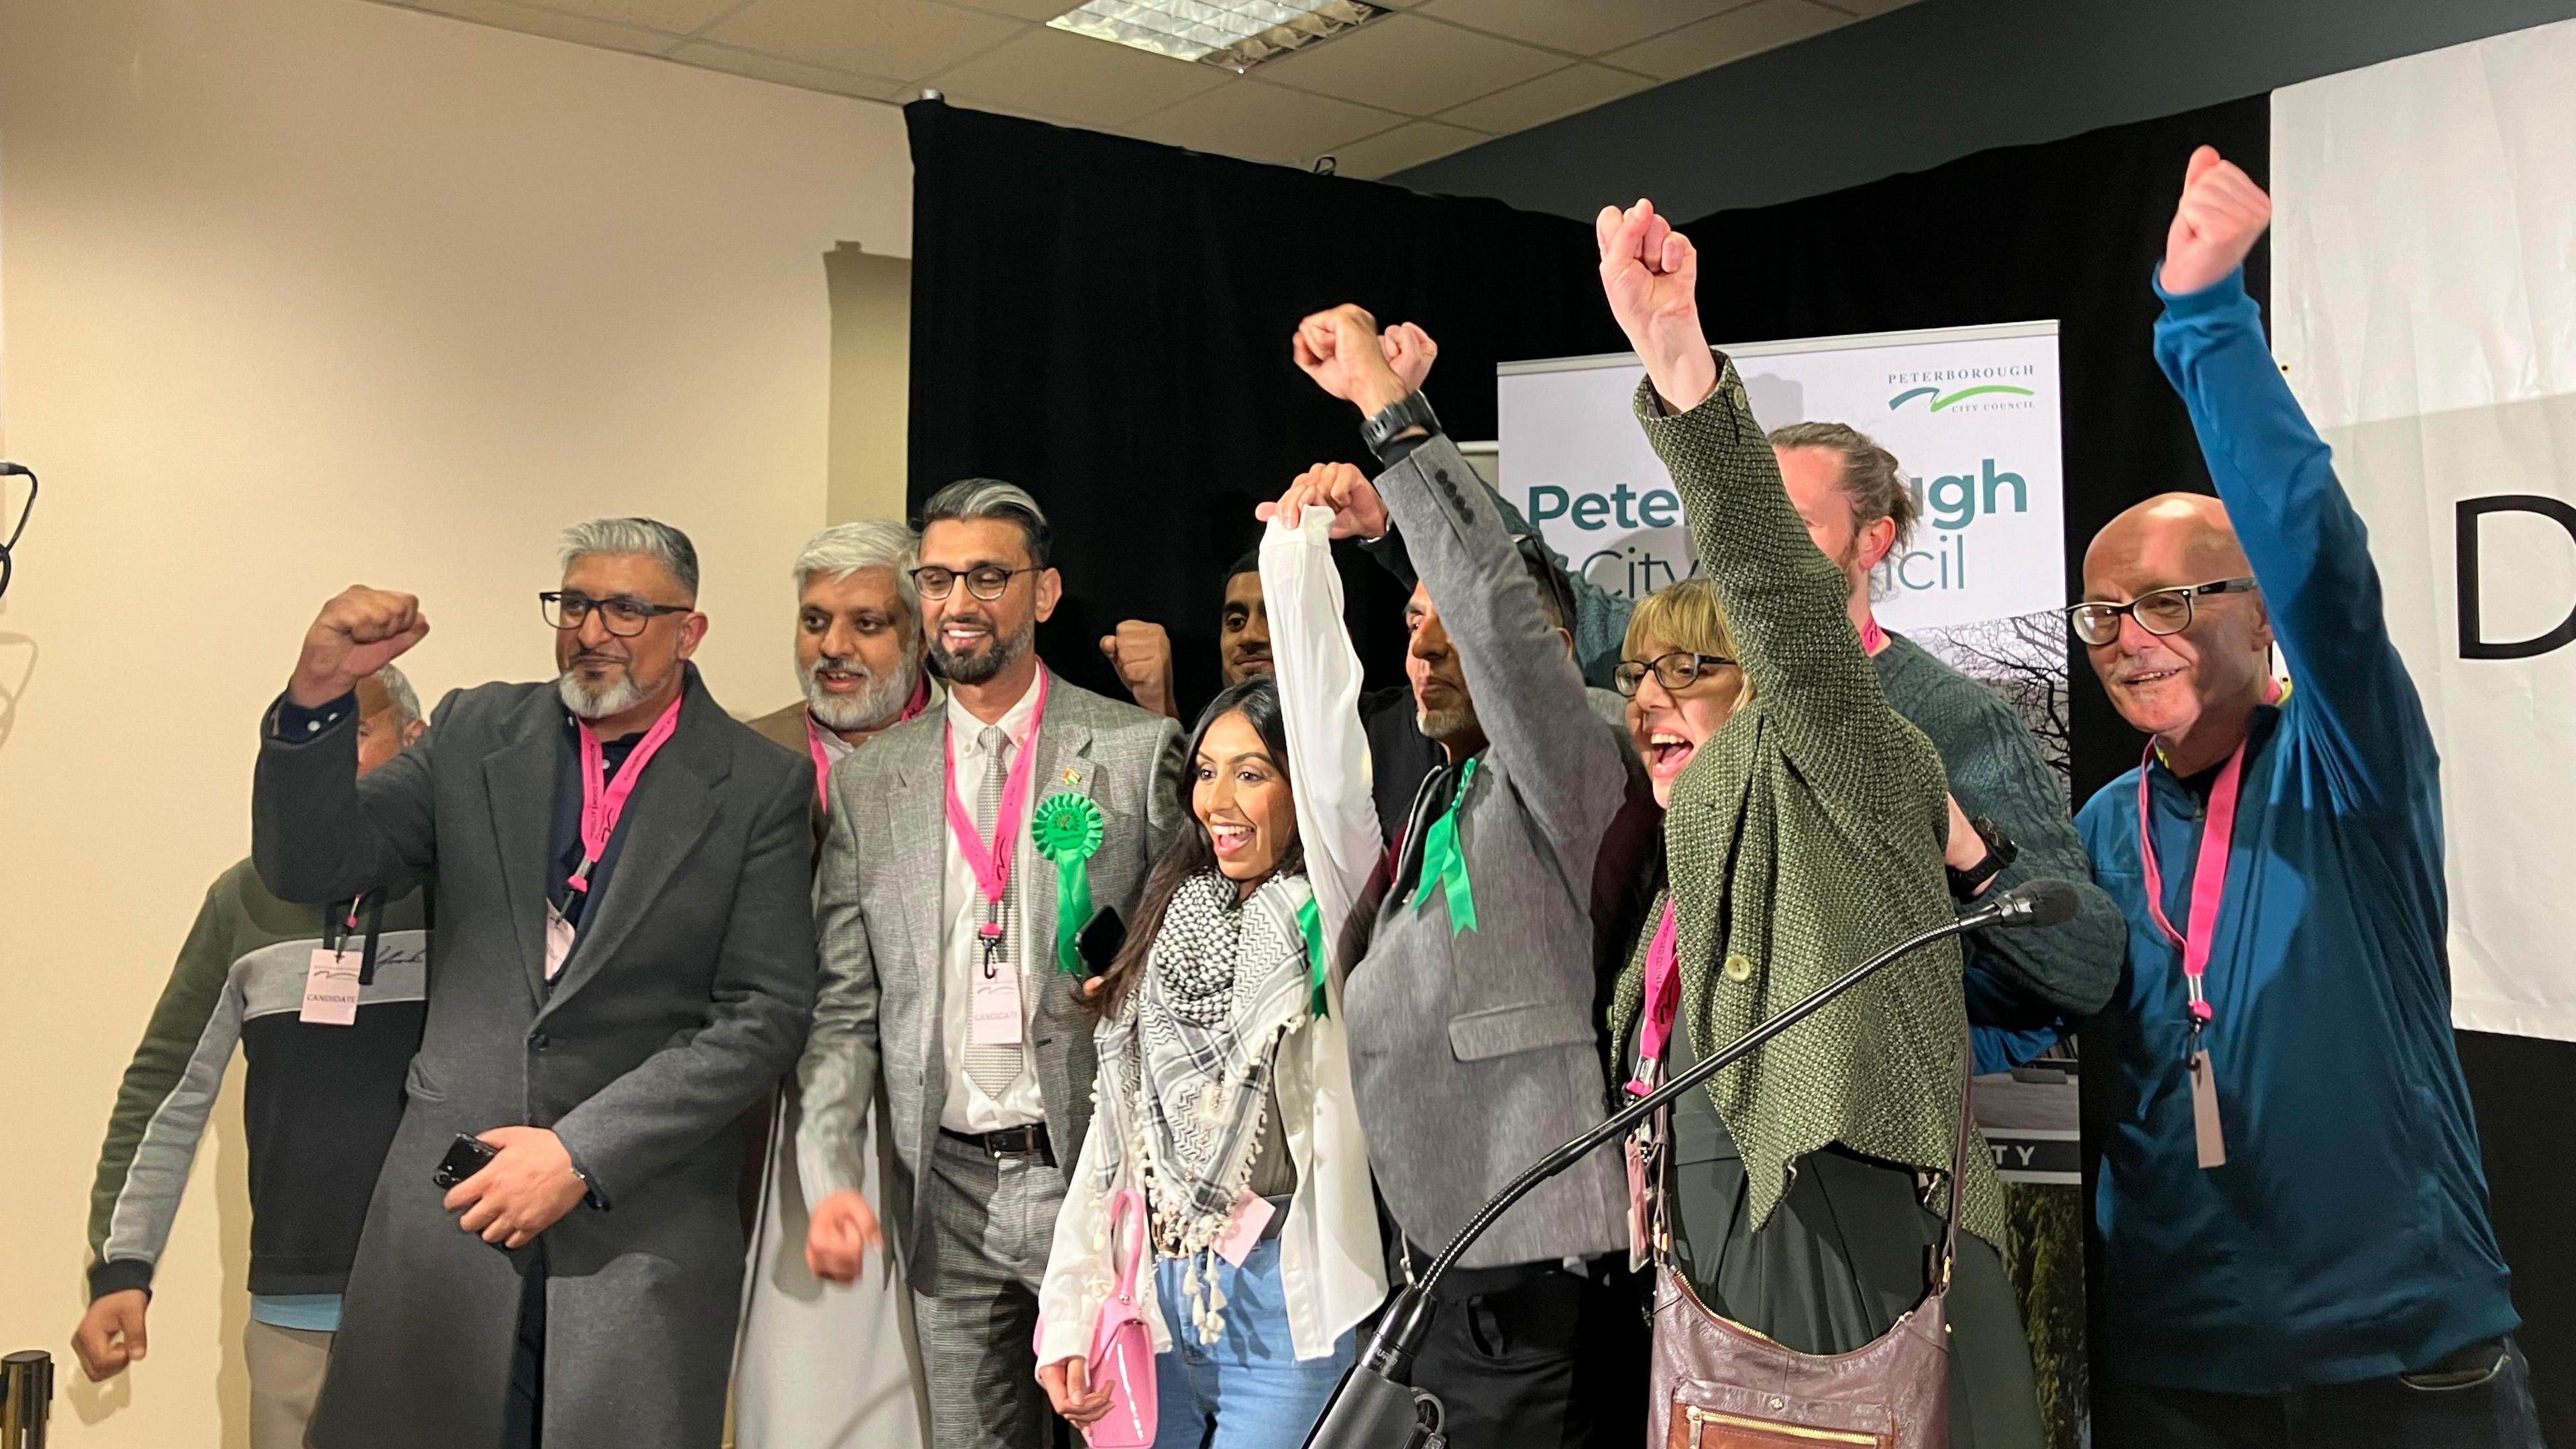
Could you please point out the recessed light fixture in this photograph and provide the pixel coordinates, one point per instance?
(1235, 34)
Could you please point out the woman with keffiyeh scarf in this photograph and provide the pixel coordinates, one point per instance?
(1224, 1091)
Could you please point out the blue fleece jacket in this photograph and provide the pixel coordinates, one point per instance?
(2347, 1236)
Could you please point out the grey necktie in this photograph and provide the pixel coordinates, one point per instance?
(993, 1068)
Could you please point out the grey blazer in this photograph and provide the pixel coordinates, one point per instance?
(685, 1000)
(1475, 1053)
(878, 920)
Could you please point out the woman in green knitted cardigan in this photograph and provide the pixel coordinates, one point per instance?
(1803, 835)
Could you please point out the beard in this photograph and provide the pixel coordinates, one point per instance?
(1444, 725)
(977, 668)
(589, 701)
(878, 702)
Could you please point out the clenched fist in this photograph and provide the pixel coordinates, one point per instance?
(1340, 350)
(2222, 214)
(1650, 273)
(839, 1237)
(1141, 652)
(110, 1335)
(1410, 351)
(357, 633)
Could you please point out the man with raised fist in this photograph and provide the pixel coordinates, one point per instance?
(625, 963)
(2295, 1214)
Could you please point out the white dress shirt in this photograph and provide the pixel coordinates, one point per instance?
(961, 950)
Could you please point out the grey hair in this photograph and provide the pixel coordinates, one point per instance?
(398, 693)
(972, 498)
(649, 537)
(1872, 483)
(871, 543)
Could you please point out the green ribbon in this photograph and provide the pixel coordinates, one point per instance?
(1310, 923)
(1067, 829)
(1445, 863)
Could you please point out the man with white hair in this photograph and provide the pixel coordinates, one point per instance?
(321, 1092)
(626, 964)
(858, 644)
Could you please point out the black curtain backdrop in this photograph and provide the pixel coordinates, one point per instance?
(1106, 321)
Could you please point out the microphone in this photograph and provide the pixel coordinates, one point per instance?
(2032, 903)
(1372, 1408)
(9, 469)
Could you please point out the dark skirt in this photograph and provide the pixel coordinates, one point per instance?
(1843, 1256)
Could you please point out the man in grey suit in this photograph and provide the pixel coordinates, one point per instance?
(946, 963)
(1475, 1045)
(625, 963)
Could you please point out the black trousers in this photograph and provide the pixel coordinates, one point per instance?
(2478, 1397)
(1535, 1357)
(523, 1419)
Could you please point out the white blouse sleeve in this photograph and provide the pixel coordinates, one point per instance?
(1319, 693)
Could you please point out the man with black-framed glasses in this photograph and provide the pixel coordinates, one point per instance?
(625, 964)
(2296, 1243)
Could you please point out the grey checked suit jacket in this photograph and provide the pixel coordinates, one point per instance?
(879, 923)
(683, 1002)
(1476, 1053)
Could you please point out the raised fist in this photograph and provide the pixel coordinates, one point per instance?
(2221, 215)
(839, 1237)
(1410, 351)
(1340, 350)
(357, 633)
(1358, 512)
(1141, 652)
(1650, 273)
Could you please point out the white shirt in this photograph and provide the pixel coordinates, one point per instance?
(961, 950)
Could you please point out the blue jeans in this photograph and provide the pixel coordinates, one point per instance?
(2477, 1398)
(1247, 1390)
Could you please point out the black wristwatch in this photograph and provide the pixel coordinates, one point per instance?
(1411, 411)
(2000, 853)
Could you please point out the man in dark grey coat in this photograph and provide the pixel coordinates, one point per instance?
(625, 963)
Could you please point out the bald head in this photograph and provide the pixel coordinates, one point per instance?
(2187, 530)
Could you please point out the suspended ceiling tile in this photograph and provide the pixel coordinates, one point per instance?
(1581, 27)
(1040, 11)
(1263, 123)
(757, 66)
(1760, 26)
(906, 39)
(1556, 94)
(1087, 81)
(1410, 144)
(555, 24)
(1867, 8)
(1409, 64)
(676, 17)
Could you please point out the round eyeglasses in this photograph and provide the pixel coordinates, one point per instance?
(2158, 611)
(1676, 671)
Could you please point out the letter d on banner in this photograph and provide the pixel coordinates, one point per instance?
(2470, 512)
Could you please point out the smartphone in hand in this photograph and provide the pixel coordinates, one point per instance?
(465, 1157)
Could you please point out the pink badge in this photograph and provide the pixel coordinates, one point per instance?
(1243, 1228)
(996, 1021)
(331, 988)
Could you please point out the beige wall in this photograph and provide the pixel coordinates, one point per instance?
(300, 292)
(871, 382)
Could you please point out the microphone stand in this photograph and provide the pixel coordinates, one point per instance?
(1372, 1408)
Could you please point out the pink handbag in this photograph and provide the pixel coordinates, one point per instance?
(1122, 1347)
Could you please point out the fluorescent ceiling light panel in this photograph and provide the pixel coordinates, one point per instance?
(1235, 34)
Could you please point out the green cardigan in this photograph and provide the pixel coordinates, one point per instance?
(1803, 839)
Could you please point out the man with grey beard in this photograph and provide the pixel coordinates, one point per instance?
(625, 964)
(858, 645)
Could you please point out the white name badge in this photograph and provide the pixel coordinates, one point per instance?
(560, 935)
(331, 988)
(996, 1021)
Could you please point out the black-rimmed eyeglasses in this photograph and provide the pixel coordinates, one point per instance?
(2158, 611)
(1676, 671)
(984, 581)
(624, 616)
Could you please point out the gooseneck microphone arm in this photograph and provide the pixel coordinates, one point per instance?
(1366, 1420)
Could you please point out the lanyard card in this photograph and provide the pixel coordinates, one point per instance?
(2212, 1140)
(996, 1019)
(331, 988)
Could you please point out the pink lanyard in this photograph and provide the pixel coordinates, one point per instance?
(2208, 877)
(823, 757)
(603, 801)
(1663, 1001)
(992, 863)
(1872, 637)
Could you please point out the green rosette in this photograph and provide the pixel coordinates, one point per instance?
(1067, 829)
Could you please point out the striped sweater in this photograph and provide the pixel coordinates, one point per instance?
(320, 1103)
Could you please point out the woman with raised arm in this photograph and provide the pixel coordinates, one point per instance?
(1224, 1097)
(1805, 1191)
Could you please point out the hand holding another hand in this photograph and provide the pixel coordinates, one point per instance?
(1358, 511)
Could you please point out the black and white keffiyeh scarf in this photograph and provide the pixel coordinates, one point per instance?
(1186, 1065)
